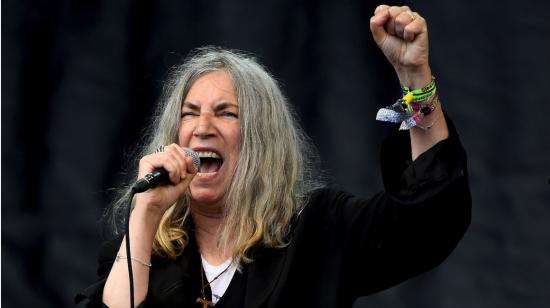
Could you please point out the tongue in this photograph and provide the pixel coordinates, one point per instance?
(210, 165)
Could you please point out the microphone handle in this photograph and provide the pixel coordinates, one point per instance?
(151, 180)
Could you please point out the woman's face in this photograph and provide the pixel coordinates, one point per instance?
(210, 126)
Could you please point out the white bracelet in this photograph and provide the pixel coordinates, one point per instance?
(121, 257)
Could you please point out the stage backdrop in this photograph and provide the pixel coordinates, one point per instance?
(80, 80)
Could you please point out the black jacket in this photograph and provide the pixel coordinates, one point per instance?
(342, 247)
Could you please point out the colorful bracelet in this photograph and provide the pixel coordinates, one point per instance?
(421, 94)
(412, 108)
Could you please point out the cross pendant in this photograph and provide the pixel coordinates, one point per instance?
(204, 302)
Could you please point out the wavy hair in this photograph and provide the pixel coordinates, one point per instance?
(276, 170)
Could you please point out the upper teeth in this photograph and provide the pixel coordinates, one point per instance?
(208, 155)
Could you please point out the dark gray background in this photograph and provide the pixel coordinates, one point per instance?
(80, 79)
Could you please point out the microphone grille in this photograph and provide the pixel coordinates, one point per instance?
(194, 156)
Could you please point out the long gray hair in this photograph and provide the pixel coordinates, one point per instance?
(276, 170)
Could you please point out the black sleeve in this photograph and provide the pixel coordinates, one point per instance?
(429, 204)
(414, 224)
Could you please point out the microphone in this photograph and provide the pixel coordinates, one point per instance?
(160, 176)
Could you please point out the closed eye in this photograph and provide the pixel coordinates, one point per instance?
(229, 114)
(189, 110)
(188, 114)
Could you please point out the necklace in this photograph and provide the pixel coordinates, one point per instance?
(202, 299)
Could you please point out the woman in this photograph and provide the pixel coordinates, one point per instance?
(252, 227)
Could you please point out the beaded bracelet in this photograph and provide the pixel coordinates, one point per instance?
(121, 257)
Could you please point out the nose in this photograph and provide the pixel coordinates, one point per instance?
(204, 128)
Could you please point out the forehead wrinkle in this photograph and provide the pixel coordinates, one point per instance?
(191, 105)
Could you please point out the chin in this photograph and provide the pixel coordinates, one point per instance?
(205, 197)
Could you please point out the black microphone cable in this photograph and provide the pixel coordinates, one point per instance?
(128, 252)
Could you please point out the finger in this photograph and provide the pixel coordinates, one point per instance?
(188, 166)
(163, 160)
(183, 185)
(415, 28)
(396, 10)
(377, 23)
(176, 154)
(148, 164)
(392, 25)
(381, 8)
(188, 169)
(171, 164)
(403, 20)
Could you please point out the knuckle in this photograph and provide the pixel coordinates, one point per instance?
(402, 18)
(144, 160)
(169, 147)
(393, 10)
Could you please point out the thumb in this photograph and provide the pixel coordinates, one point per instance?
(182, 187)
(377, 23)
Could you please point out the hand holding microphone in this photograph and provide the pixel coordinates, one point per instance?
(161, 176)
(170, 169)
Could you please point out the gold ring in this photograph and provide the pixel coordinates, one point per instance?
(411, 14)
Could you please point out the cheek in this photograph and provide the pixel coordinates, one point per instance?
(236, 137)
(233, 143)
(184, 135)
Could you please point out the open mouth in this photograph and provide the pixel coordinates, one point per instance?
(210, 162)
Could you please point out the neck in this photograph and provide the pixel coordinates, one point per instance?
(207, 228)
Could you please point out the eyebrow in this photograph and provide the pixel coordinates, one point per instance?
(190, 105)
(225, 105)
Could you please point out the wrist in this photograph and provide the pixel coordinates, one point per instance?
(415, 78)
(150, 205)
(145, 217)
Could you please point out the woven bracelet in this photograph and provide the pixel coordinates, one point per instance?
(421, 94)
